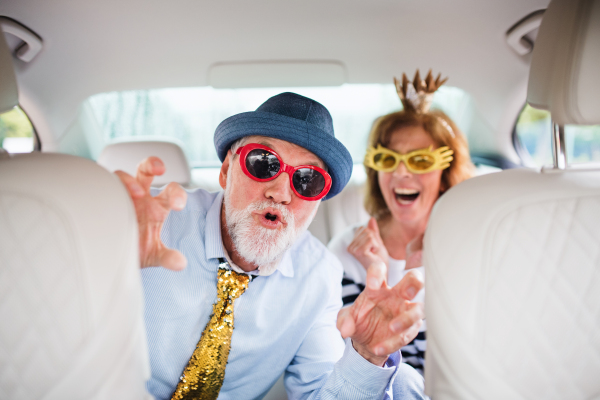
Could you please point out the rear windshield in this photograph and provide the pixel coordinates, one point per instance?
(190, 115)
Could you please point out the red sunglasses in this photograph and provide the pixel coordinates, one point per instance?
(262, 164)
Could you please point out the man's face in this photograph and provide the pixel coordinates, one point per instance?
(264, 218)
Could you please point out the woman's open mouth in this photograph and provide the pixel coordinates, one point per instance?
(406, 196)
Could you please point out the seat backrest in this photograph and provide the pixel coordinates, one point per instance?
(513, 258)
(513, 288)
(71, 323)
(126, 155)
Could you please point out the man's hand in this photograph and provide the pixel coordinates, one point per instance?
(367, 246)
(152, 212)
(383, 319)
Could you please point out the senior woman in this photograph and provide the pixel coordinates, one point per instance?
(413, 157)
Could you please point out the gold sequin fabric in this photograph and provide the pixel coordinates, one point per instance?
(203, 376)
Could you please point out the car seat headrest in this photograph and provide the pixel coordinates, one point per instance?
(9, 94)
(126, 155)
(564, 77)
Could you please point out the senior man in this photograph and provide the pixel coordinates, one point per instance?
(253, 265)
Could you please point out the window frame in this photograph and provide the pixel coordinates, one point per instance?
(37, 143)
(518, 145)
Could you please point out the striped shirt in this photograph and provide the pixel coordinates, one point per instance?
(353, 283)
(284, 322)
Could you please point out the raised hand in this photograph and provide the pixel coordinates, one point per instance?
(152, 212)
(383, 319)
(367, 246)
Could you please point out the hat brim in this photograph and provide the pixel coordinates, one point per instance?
(325, 146)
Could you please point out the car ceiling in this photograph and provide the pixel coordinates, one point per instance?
(99, 46)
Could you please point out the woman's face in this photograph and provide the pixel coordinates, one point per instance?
(410, 197)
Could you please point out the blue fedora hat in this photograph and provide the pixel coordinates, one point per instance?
(296, 119)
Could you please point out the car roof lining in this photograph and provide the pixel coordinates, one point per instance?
(92, 47)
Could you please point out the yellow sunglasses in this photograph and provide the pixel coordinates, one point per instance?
(418, 162)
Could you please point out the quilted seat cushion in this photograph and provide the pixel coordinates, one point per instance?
(70, 292)
(513, 288)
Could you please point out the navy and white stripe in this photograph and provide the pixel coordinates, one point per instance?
(350, 290)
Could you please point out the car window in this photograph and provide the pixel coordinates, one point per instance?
(16, 132)
(192, 114)
(533, 134)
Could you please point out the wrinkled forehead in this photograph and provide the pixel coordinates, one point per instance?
(285, 149)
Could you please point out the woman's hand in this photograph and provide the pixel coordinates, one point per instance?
(367, 246)
(152, 212)
(382, 319)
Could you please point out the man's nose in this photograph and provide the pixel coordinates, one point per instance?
(279, 189)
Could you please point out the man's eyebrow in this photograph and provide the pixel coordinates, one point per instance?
(316, 164)
(320, 164)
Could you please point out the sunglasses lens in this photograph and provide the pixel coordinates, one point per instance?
(421, 162)
(308, 182)
(262, 164)
(384, 161)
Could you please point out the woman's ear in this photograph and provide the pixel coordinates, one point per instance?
(443, 186)
(225, 169)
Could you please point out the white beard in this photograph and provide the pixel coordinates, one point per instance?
(256, 244)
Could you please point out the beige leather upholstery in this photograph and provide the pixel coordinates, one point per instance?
(513, 288)
(564, 74)
(71, 322)
(126, 155)
(513, 258)
(9, 95)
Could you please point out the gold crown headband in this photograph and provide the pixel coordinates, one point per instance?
(416, 96)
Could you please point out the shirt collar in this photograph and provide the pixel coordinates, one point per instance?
(286, 267)
(213, 244)
(213, 241)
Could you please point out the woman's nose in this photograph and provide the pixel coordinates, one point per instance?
(401, 170)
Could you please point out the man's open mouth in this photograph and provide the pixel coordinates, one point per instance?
(270, 217)
(406, 196)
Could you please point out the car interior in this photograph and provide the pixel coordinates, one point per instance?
(512, 255)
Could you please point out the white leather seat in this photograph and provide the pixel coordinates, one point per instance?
(126, 155)
(513, 258)
(513, 288)
(564, 76)
(70, 292)
(71, 322)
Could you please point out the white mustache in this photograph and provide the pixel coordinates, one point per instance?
(286, 214)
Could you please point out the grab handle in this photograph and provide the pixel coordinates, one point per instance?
(32, 43)
(516, 36)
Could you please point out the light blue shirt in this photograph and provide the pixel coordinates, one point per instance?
(283, 322)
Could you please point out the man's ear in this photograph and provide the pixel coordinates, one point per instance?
(224, 170)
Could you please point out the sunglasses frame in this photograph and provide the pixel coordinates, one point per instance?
(442, 157)
(243, 153)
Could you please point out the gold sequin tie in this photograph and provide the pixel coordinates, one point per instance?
(203, 377)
